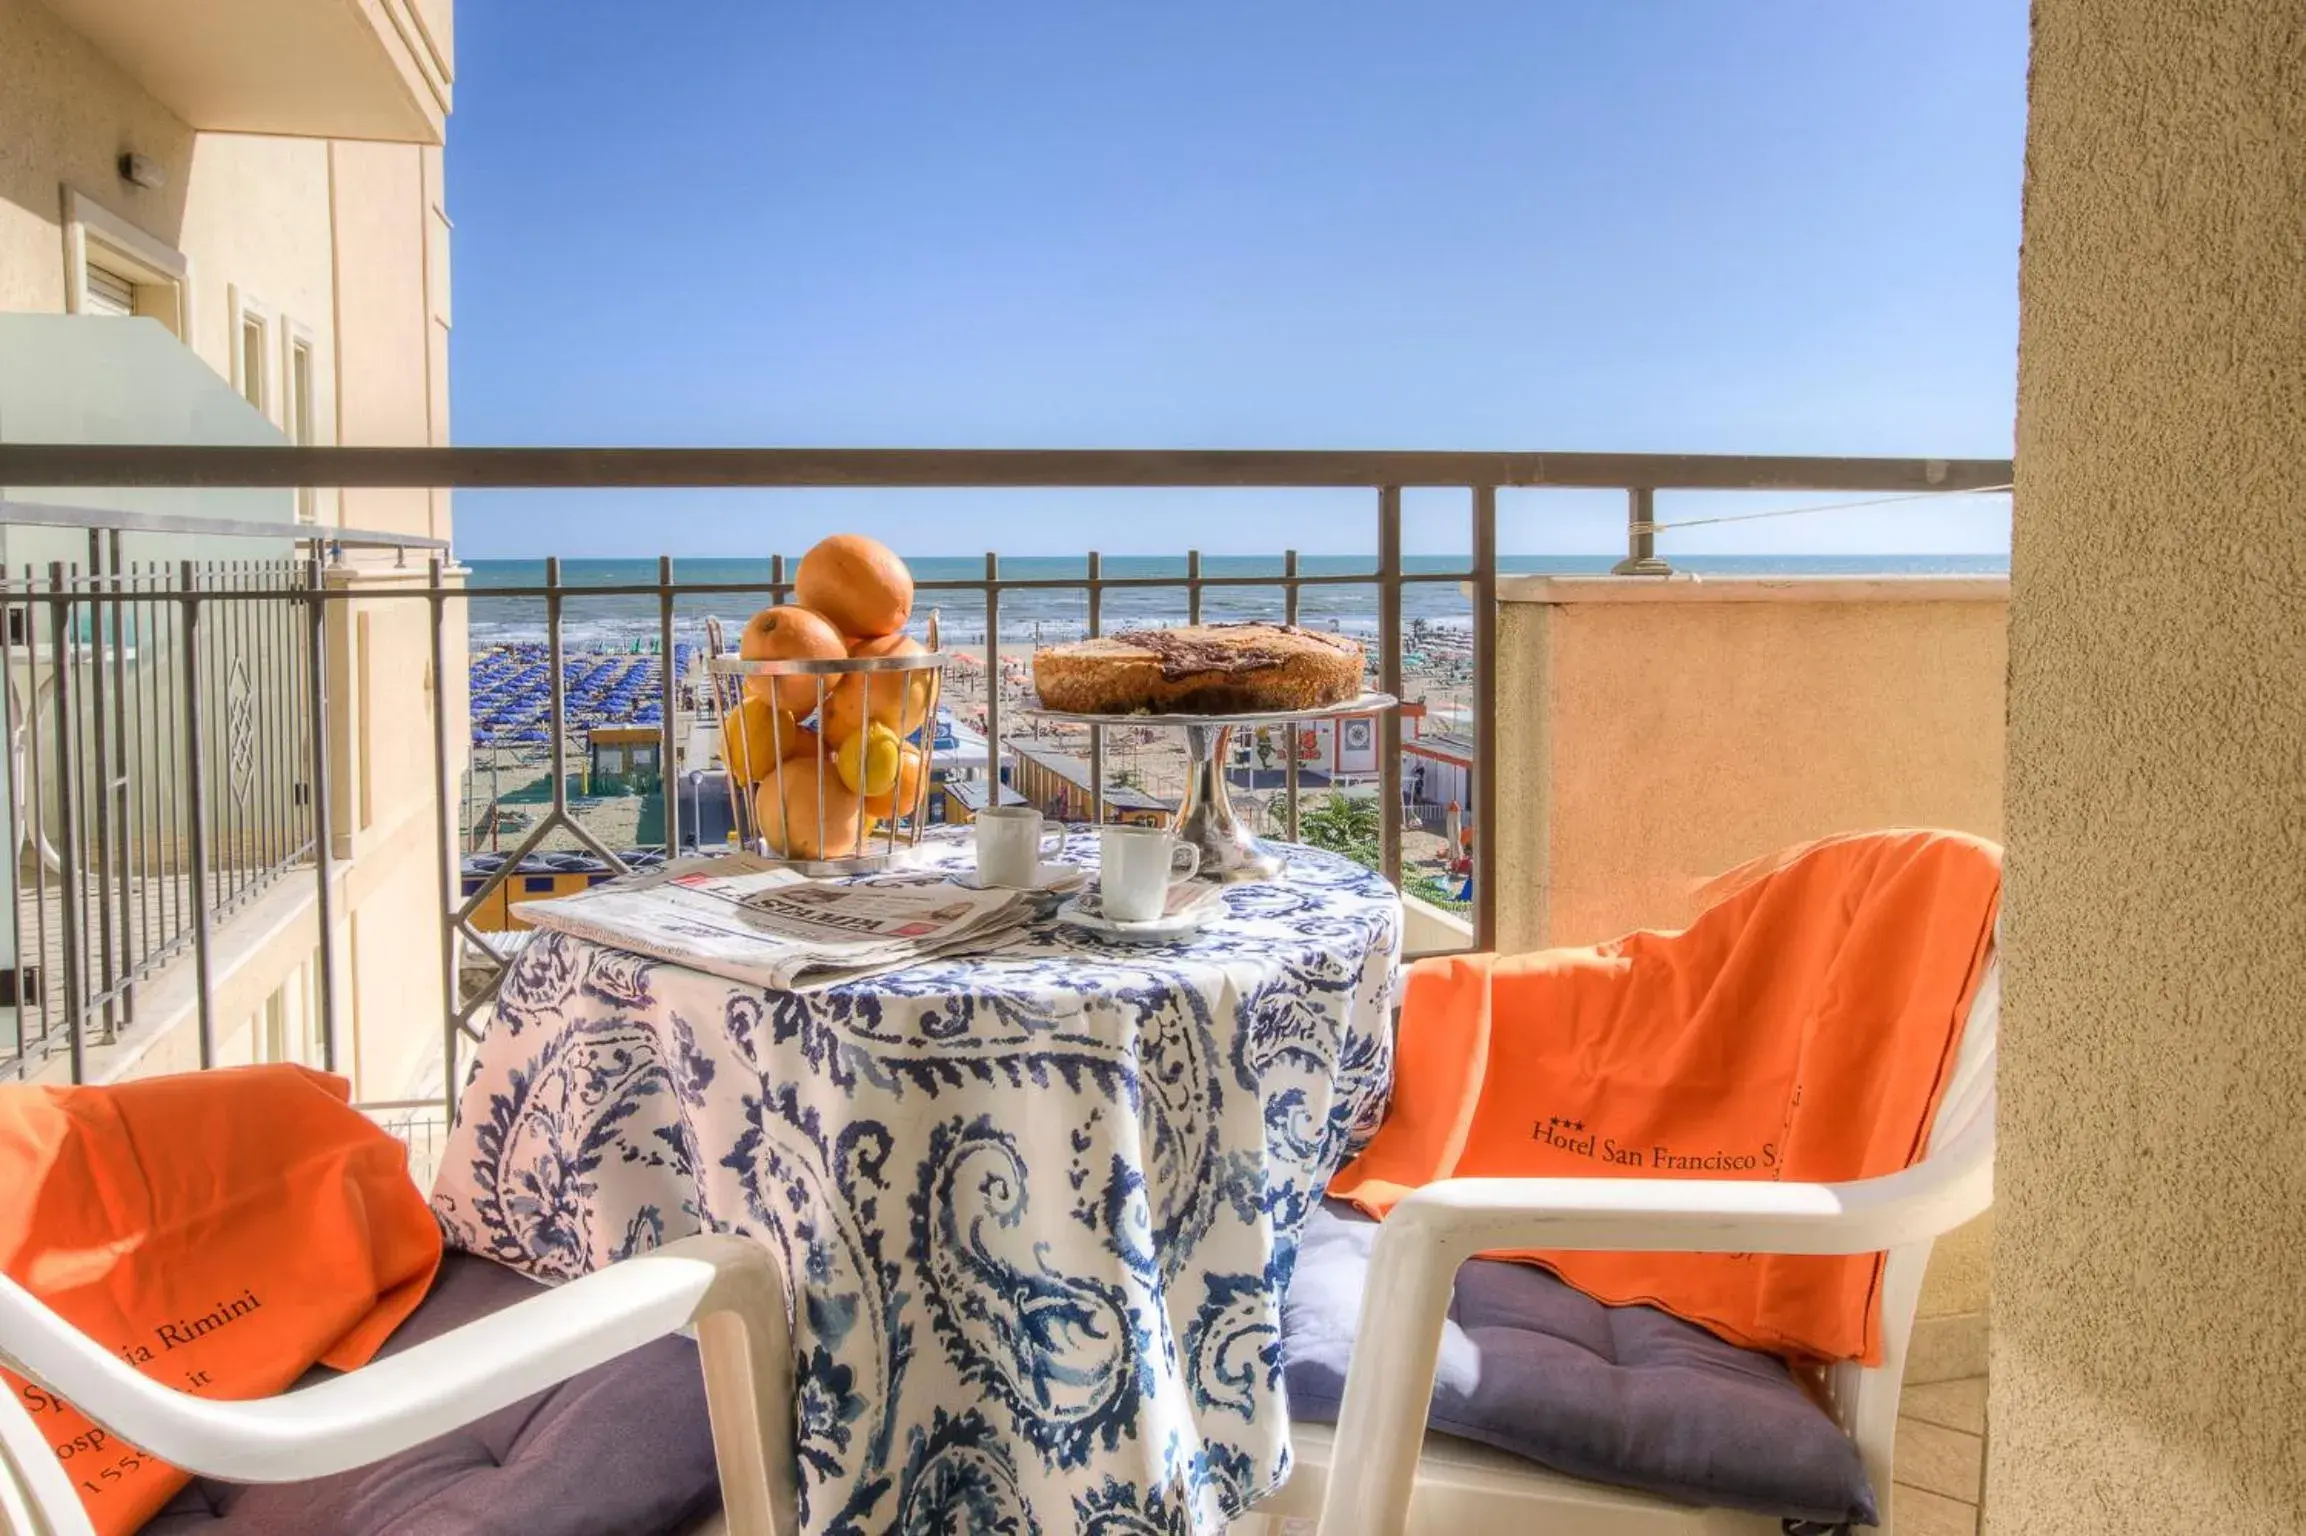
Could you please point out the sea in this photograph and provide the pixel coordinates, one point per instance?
(626, 622)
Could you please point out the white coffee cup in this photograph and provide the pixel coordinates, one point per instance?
(1012, 843)
(1135, 866)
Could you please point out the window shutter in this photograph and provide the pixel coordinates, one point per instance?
(109, 293)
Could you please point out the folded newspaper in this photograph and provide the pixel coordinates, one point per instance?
(745, 917)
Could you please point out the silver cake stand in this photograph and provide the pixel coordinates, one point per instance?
(1206, 819)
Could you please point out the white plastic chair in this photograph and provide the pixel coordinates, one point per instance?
(732, 1290)
(1362, 1477)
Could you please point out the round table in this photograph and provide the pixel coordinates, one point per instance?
(1039, 1207)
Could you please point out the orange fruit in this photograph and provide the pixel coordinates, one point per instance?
(904, 797)
(756, 733)
(800, 825)
(788, 633)
(898, 700)
(858, 583)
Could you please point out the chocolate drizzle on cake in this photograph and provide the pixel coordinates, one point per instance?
(1183, 654)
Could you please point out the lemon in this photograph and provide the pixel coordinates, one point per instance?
(868, 761)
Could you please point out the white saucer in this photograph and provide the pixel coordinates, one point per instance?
(1049, 877)
(1082, 912)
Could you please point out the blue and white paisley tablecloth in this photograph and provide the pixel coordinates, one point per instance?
(1039, 1207)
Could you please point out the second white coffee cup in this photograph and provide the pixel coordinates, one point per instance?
(1135, 866)
(1012, 845)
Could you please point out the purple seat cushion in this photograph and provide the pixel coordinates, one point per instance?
(624, 1449)
(1622, 1395)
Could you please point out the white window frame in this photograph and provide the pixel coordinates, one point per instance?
(160, 273)
(243, 310)
(302, 421)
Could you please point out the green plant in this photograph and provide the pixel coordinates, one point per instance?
(1429, 889)
(1346, 825)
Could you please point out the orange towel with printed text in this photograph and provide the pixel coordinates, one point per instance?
(220, 1231)
(1801, 1028)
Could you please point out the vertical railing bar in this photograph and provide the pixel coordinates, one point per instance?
(256, 658)
(261, 748)
(36, 813)
(167, 900)
(294, 722)
(100, 798)
(1484, 718)
(167, 735)
(161, 616)
(176, 791)
(1389, 679)
(119, 793)
(1096, 732)
(317, 790)
(196, 778)
(285, 698)
(778, 586)
(992, 677)
(91, 893)
(667, 786)
(216, 617)
(60, 621)
(224, 852)
(255, 614)
(1289, 593)
(276, 690)
(451, 897)
(231, 639)
(1641, 536)
(1193, 616)
(149, 672)
(225, 649)
(8, 730)
(134, 861)
(293, 572)
(90, 905)
(557, 731)
(150, 749)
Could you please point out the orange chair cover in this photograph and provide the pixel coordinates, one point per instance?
(1801, 1028)
(221, 1231)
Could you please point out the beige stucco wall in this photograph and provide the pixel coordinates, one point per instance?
(349, 243)
(65, 117)
(2149, 1359)
(384, 210)
(1676, 728)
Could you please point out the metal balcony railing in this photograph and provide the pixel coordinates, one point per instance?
(472, 960)
(161, 756)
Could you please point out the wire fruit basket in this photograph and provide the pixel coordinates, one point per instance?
(828, 761)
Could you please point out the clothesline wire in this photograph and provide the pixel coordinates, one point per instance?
(1838, 506)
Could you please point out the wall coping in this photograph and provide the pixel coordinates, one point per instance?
(1696, 587)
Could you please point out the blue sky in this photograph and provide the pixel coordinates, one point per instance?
(1696, 227)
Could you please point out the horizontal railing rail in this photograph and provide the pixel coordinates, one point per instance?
(957, 468)
(473, 964)
(38, 514)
